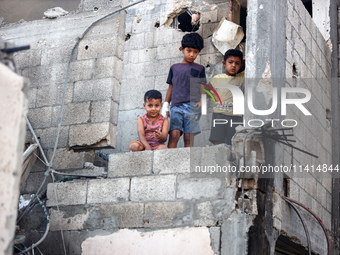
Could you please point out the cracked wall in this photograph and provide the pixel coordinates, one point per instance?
(150, 51)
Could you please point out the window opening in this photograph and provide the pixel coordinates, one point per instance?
(187, 21)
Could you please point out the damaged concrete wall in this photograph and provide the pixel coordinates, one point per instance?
(307, 65)
(92, 92)
(150, 51)
(13, 105)
(308, 52)
(146, 193)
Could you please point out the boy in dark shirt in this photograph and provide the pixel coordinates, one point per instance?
(184, 92)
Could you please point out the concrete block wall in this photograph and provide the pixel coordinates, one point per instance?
(143, 191)
(308, 66)
(151, 50)
(90, 114)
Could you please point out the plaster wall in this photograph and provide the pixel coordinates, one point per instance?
(13, 105)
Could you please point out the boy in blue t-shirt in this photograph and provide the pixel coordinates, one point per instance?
(184, 92)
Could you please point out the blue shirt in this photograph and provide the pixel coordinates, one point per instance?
(185, 79)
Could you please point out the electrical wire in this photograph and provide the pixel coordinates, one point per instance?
(47, 163)
(68, 68)
(56, 199)
(37, 141)
(316, 217)
(304, 226)
(46, 230)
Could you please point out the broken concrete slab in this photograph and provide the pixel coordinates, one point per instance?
(170, 241)
(55, 13)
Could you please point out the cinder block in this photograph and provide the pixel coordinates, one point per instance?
(130, 164)
(52, 95)
(48, 137)
(128, 215)
(76, 113)
(306, 36)
(149, 39)
(27, 58)
(161, 36)
(133, 70)
(160, 67)
(68, 193)
(164, 51)
(300, 48)
(105, 67)
(148, 54)
(209, 16)
(143, 25)
(40, 117)
(218, 155)
(197, 188)
(93, 90)
(57, 55)
(136, 41)
(108, 191)
(68, 159)
(167, 214)
(32, 97)
(35, 179)
(98, 135)
(80, 70)
(208, 29)
(160, 83)
(100, 111)
(150, 188)
(98, 47)
(204, 215)
(209, 48)
(171, 161)
(70, 218)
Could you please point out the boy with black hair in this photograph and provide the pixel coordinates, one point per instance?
(152, 127)
(233, 62)
(184, 92)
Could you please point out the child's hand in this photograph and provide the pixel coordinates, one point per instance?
(158, 134)
(198, 104)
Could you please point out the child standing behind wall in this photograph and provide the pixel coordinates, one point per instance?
(185, 99)
(233, 61)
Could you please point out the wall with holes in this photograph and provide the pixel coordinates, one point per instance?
(152, 46)
(91, 96)
(308, 66)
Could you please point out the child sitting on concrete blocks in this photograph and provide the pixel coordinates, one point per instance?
(152, 127)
